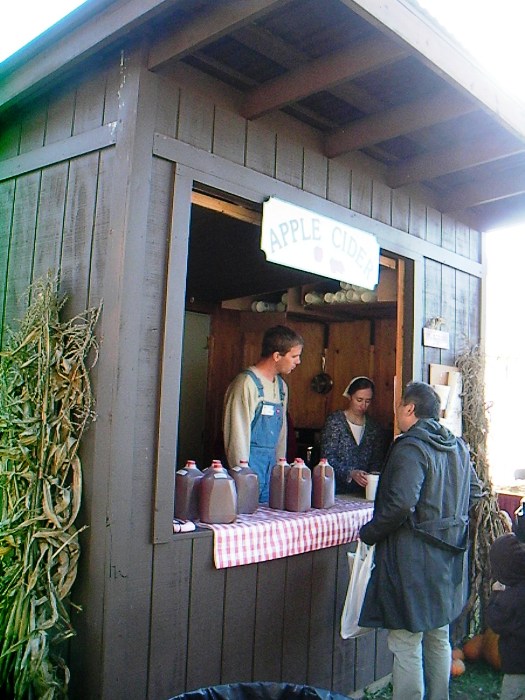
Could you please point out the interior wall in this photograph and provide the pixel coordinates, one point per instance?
(192, 415)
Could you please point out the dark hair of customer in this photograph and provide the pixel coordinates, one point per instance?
(427, 403)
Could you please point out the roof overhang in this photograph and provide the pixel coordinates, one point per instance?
(378, 78)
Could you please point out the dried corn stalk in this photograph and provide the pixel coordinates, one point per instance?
(45, 405)
(489, 522)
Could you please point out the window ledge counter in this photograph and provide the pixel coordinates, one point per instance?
(272, 534)
(276, 619)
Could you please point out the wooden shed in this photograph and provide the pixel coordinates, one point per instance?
(139, 141)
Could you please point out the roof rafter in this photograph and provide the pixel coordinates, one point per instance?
(322, 74)
(443, 55)
(459, 156)
(273, 47)
(398, 121)
(208, 27)
(491, 189)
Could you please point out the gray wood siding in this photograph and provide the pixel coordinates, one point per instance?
(55, 219)
(190, 116)
(275, 148)
(455, 297)
(273, 621)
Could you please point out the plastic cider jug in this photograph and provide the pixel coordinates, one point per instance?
(247, 485)
(218, 496)
(278, 484)
(298, 491)
(323, 485)
(187, 491)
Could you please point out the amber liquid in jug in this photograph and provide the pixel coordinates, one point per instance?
(278, 484)
(186, 491)
(323, 485)
(218, 496)
(247, 485)
(298, 492)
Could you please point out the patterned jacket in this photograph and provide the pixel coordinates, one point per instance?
(341, 450)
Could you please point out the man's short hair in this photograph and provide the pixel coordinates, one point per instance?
(279, 339)
(427, 403)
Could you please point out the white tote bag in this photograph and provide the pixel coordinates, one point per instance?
(361, 564)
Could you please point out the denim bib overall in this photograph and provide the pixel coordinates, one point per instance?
(265, 430)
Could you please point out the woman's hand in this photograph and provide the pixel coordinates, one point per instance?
(359, 476)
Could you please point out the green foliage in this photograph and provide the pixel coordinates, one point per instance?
(45, 405)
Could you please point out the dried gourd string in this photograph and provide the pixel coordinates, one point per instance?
(488, 522)
(45, 405)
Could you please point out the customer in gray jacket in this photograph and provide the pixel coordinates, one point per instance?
(420, 529)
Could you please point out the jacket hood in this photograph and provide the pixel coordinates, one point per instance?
(507, 559)
(431, 431)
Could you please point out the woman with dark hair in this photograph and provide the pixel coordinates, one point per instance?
(352, 442)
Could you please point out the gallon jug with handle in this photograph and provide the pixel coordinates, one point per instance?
(247, 485)
(217, 497)
(298, 492)
(278, 484)
(186, 491)
(323, 485)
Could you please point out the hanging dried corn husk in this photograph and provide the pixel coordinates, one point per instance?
(488, 521)
(45, 405)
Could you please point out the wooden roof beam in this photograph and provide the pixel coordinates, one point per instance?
(321, 74)
(443, 55)
(262, 41)
(398, 121)
(207, 27)
(505, 212)
(505, 185)
(459, 156)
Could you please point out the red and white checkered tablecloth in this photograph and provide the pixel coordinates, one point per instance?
(272, 534)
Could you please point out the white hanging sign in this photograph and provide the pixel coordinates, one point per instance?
(305, 240)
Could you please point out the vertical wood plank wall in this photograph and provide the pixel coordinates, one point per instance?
(276, 620)
(160, 619)
(262, 145)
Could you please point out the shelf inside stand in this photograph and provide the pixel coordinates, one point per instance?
(344, 312)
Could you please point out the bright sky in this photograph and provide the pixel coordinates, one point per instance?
(23, 20)
(492, 32)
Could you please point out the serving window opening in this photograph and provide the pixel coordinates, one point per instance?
(233, 294)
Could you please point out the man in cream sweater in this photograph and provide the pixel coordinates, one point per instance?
(255, 405)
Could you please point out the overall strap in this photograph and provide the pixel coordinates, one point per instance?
(260, 389)
(257, 382)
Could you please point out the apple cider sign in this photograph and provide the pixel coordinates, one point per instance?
(304, 240)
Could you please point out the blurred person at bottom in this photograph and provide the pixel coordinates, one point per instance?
(505, 612)
(419, 583)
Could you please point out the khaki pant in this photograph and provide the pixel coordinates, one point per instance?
(421, 664)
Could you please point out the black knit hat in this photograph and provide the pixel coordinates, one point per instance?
(507, 559)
